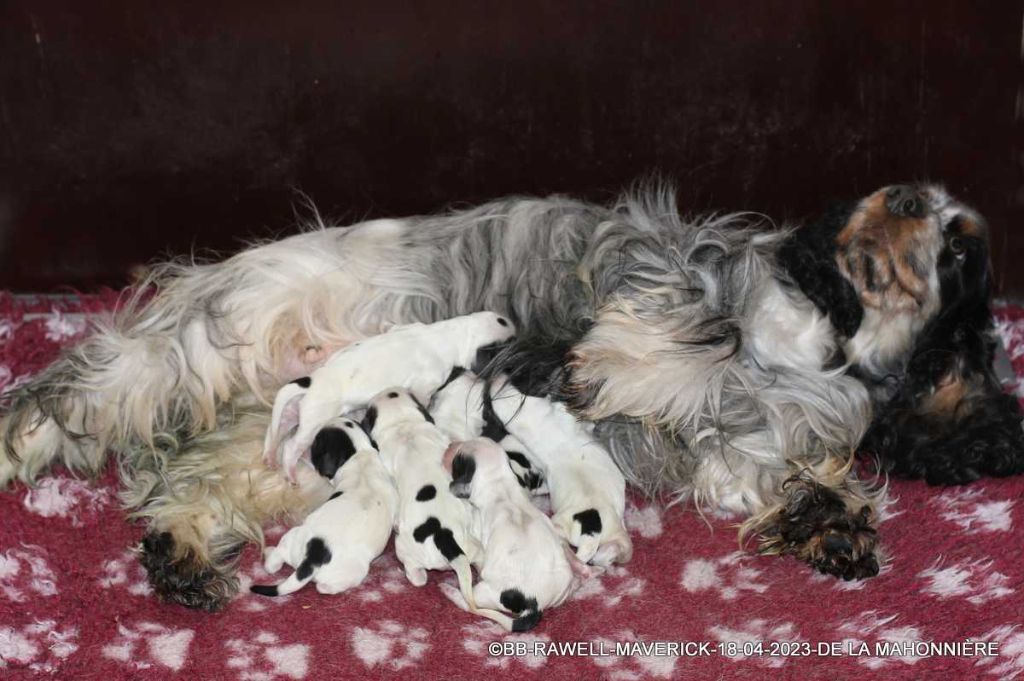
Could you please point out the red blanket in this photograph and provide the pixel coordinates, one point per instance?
(74, 602)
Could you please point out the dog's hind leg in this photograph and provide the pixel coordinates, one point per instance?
(206, 504)
(164, 362)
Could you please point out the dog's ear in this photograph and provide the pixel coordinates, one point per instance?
(463, 469)
(809, 257)
(369, 421)
(331, 448)
(951, 422)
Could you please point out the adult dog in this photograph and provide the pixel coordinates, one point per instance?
(722, 361)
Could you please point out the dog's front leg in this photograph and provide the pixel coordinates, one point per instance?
(826, 519)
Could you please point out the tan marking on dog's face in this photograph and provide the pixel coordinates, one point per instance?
(890, 259)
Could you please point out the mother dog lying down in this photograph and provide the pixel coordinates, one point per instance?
(724, 362)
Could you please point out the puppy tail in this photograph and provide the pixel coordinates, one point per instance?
(462, 570)
(288, 586)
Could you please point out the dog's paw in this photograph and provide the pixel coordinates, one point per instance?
(817, 527)
(181, 577)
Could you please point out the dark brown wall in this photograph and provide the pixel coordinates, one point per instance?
(129, 130)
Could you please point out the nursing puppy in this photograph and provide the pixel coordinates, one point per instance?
(462, 410)
(415, 356)
(588, 492)
(433, 527)
(336, 544)
(526, 566)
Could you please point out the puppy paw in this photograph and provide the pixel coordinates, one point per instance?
(817, 527)
(180, 576)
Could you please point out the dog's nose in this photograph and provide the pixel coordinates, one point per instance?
(904, 201)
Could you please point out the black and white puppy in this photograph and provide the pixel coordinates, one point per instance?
(462, 409)
(337, 542)
(527, 567)
(434, 529)
(418, 357)
(588, 492)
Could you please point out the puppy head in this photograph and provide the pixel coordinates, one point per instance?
(393, 406)
(487, 329)
(335, 444)
(473, 460)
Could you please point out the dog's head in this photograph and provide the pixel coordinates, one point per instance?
(393, 406)
(904, 276)
(335, 444)
(474, 460)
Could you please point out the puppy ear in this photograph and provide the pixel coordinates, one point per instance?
(463, 469)
(951, 422)
(809, 257)
(369, 421)
(331, 448)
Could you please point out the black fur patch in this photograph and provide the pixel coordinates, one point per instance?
(426, 493)
(589, 520)
(370, 420)
(331, 448)
(426, 530)
(334, 496)
(444, 539)
(463, 469)
(264, 589)
(317, 554)
(528, 616)
(445, 542)
(493, 426)
(519, 458)
(808, 256)
(303, 382)
(423, 410)
(455, 373)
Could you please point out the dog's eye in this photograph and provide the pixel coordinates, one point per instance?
(956, 246)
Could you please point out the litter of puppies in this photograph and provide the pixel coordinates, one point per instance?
(454, 481)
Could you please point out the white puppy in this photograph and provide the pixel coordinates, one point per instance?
(418, 357)
(336, 544)
(462, 410)
(434, 528)
(527, 567)
(588, 491)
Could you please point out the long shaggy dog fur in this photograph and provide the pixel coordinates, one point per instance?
(712, 372)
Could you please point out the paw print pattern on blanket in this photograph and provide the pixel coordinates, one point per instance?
(125, 572)
(389, 644)
(41, 646)
(25, 573)
(147, 644)
(754, 631)
(477, 637)
(263, 657)
(633, 667)
(872, 627)
(77, 501)
(974, 580)
(973, 511)
(729, 576)
(610, 587)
